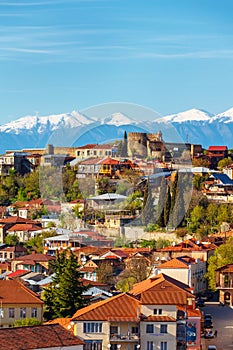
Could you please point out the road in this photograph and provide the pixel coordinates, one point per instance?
(223, 322)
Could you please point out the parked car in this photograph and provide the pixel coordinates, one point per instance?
(209, 334)
(212, 347)
(208, 317)
(208, 324)
(200, 303)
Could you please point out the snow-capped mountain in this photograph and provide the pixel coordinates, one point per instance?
(187, 116)
(225, 117)
(44, 123)
(75, 129)
(118, 119)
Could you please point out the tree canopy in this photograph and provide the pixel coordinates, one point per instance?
(223, 255)
(63, 297)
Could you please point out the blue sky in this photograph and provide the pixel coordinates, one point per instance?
(168, 55)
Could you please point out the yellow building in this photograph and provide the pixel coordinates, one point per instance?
(18, 302)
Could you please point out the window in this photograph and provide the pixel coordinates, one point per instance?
(11, 312)
(23, 312)
(135, 330)
(157, 311)
(113, 330)
(149, 328)
(113, 347)
(34, 312)
(92, 327)
(93, 345)
(163, 328)
(163, 345)
(149, 345)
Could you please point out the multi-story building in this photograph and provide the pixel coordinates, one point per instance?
(18, 302)
(224, 283)
(95, 150)
(187, 270)
(156, 314)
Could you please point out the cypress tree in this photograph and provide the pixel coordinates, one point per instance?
(63, 297)
(124, 149)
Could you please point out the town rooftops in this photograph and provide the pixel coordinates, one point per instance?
(226, 268)
(121, 307)
(162, 290)
(35, 257)
(16, 220)
(24, 227)
(175, 263)
(47, 336)
(217, 148)
(223, 178)
(13, 292)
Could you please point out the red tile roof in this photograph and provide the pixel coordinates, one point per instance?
(87, 146)
(120, 307)
(13, 292)
(24, 227)
(109, 161)
(174, 264)
(16, 219)
(159, 319)
(17, 273)
(226, 268)
(37, 337)
(35, 257)
(162, 290)
(217, 148)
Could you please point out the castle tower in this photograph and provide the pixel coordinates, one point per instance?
(137, 144)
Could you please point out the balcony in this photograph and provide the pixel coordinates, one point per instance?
(132, 337)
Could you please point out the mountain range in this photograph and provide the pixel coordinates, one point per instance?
(75, 129)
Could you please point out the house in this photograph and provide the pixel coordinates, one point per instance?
(18, 302)
(148, 317)
(192, 247)
(224, 283)
(9, 253)
(47, 336)
(89, 167)
(17, 161)
(218, 187)
(24, 232)
(34, 262)
(216, 153)
(94, 150)
(7, 222)
(188, 270)
(114, 321)
(162, 299)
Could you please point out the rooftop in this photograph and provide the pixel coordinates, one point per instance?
(37, 337)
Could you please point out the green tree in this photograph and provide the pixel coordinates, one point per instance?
(64, 295)
(23, 322)
(224, 162)
(223, 255)
(11, 240)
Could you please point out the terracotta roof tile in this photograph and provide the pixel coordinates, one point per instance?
(12, 291)
(24, 227)
(64, 322)
(119, 307)
(161, 290)
(35, 257)
(37, 337)
(159, 319)
(174, 264)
